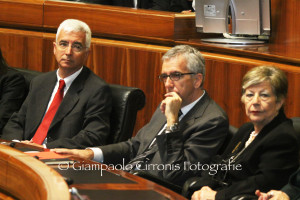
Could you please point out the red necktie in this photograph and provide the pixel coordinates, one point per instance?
(42, 131)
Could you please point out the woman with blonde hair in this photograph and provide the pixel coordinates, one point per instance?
(264, 151)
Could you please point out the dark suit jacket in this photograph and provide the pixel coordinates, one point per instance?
(12, 95)
(201, 133)
(266, 163)
(292, 189)
(82, 119)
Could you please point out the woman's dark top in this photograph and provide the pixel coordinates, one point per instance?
(265, 164)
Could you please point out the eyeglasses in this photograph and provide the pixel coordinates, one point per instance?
(175, 76)
(77, 47)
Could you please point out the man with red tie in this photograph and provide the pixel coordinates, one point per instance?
(69, 107)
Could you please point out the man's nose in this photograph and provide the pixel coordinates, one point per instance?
(168, 82)
(69, 50)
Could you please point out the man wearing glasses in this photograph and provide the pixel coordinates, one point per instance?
(186, 130)
(69, 107)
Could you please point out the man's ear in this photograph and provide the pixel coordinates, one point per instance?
(198, 80)
(87, 54)
(54, 47)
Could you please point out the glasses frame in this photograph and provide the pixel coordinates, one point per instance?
(163, 79)
(59, 44)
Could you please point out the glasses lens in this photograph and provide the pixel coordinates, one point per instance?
(175, 76)
(77, 47)
(163, 77)
(63, 45)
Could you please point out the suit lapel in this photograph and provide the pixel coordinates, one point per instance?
(158, 124)
(71, 98)
(153, 128)
(42, 97)
(196, 112)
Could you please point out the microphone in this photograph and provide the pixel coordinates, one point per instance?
(68, 180)
(75, 192)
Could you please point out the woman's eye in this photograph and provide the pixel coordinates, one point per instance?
(264, 95)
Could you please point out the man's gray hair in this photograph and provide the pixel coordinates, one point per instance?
(195, 60)
(74, 25)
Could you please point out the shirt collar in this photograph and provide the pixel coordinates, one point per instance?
(69, 80)
(188, 107)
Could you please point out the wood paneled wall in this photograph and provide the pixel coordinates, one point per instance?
(285, 22)
(12, 13)
(122, 22)
(223, 82)
(138, 65)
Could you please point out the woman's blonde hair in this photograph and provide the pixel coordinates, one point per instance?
(273, 75)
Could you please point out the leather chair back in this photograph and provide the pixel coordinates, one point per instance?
(126, 101)
(28, 75)
(231, 133)
(296, 124)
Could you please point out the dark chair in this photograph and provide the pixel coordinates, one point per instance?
(296, 124)
(231, 133)
(126, 101)
(28, 75)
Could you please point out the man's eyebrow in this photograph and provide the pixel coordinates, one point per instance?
(171, 72)
(73, 42)
(175, 72)
(77, 43)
